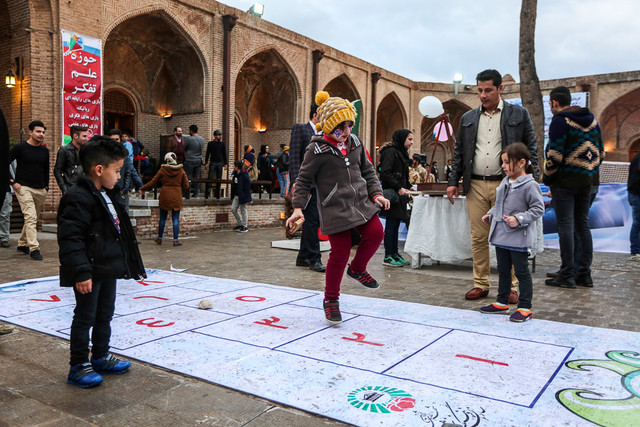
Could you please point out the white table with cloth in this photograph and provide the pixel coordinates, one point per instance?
(441, 231)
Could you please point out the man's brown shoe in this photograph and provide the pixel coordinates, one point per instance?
(158, 240)
(513, 297)
(477, 293)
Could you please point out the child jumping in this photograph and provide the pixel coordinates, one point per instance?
(348, 192)
(240, 195)
(513, 229)
(97, 246)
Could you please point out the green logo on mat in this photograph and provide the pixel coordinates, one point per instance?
(381, 400)
(606, 411)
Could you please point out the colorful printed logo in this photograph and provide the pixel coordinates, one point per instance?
(607, 411)
(381, 400)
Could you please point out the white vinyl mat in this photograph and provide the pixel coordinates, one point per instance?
(389, 363)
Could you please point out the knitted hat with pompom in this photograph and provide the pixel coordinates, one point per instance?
(332, 111)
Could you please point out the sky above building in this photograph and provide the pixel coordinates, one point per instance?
(427, 40)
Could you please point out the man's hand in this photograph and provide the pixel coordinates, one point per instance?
(452, 191)
(486, 218)
(297, 214)
(403, 191)
(16, 187)
(84, 287)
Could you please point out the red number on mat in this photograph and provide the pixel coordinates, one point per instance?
(271, 322)
(248, 298)
(156, 324)
(54, 298)
(360, 338)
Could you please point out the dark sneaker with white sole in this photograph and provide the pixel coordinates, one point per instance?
(84, 376)
(363, 277)
(332, 311)
(110, 364)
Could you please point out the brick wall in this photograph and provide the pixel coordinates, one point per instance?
(200, 215)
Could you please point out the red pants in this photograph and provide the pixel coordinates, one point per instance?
(372, 234)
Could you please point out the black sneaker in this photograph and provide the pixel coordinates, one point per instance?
(237, 228)
(364, 278)
(585, 280)
(561, 282)
(244, 229)
(332, 311)
(36, 255)
(110, 364)
(84, 376)
(23, 249)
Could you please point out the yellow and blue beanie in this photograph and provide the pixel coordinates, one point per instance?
(332, 111)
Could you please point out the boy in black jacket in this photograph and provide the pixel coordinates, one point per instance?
(240, 195)
(97, 246)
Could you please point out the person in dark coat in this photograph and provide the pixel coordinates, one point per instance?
(240, 195)
(265, 163)
(174, 182)
(394, 174)
(97, 247)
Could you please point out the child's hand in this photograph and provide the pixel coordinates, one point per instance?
(382, 202)
(511, 221)
(84, 287)
(486, 219)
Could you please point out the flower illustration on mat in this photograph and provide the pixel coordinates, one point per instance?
(607, 412)
(401, 404)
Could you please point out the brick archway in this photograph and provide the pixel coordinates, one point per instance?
(619, 122)
(151, 54)
(343, 87)
(389, 118)
(266, 99)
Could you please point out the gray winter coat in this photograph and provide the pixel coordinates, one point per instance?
(345, 184)
(522, 199)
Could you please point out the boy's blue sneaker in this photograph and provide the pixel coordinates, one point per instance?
(495, 308)
(84, 376)
(110, 364)
(401, 260)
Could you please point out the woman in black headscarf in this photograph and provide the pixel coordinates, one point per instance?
(265, 162)
(394, 174)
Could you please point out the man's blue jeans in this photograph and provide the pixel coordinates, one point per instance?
(634, 237)
(572, 214)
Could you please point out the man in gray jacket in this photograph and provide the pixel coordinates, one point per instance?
(483, 133)
(193, 148)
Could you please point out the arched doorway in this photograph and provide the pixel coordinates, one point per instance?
(265, 101)
(389, 117)
(634, 148)
(342, 87)
(118, 111)
(619, 123)
(159, 67)
(455, 109)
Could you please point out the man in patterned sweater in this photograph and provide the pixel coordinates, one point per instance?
(573, 158)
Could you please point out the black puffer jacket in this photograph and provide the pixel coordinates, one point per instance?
(68, 168)
(394, 174)
(90, 245)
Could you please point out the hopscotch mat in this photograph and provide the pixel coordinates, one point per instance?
(389, 363)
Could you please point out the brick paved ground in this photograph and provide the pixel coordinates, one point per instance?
(33, 365)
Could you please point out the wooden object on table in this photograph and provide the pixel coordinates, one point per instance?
(437, 188)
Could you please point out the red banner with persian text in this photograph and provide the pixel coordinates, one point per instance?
(82, 83)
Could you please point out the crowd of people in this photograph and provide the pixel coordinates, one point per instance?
(332, 183)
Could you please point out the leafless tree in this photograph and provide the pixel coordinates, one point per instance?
(529, 82)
